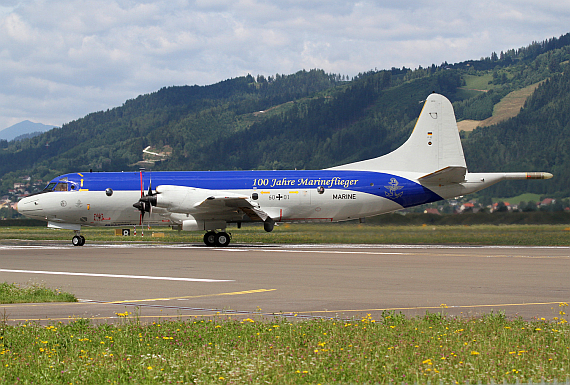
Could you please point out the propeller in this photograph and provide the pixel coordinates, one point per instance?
(145, 203)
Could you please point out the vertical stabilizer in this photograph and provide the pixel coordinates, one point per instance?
(433, 145)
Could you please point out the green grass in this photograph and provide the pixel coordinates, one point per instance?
(477, 82)
(392, 349)
(34, 293)
(539, 235)
(519, 198)
(463, 93)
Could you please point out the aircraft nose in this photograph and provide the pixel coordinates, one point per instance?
(29, 206)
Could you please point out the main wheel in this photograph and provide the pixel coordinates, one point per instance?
(77, 241)
(210, 238)
(222, 239)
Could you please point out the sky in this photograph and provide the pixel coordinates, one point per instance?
(61, 60)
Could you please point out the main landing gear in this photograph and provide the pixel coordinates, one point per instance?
(78, 239)
(221, 239)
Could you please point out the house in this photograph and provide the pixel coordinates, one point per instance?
(495, 206)
(466, 207)
(432, 211)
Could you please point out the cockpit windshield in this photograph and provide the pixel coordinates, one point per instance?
(49, 187)
(56, 186)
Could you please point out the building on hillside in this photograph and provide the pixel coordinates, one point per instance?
(497, 207)
(466, 207)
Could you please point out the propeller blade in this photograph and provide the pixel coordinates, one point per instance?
(145, 202)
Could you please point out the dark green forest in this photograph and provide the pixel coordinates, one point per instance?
(313, 120)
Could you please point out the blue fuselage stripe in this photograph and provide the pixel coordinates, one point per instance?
(398, 189)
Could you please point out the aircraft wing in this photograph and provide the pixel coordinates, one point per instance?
(445, 176)
(204, 202)
(215, 203)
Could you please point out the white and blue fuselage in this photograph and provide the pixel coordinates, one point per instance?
(106, 199)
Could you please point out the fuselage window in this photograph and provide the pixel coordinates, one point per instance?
(61, 187)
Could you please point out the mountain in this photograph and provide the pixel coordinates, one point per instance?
(312, 120)
(23, 128)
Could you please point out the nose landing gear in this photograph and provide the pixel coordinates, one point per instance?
(78, 239)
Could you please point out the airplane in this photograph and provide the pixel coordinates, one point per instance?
(428, 167)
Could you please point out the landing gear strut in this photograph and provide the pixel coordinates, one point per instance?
(221, 239)
(78, 239)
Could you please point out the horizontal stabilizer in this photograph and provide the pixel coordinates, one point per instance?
(445, 176)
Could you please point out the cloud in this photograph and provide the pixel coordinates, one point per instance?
(60, 60)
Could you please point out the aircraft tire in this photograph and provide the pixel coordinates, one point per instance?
(222, 239)
(77, 241)
(210, 238)
(82, 240)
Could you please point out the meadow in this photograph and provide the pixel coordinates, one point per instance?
(16, 293)
(393, 349)
(301, 233)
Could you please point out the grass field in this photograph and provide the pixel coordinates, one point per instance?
(14, 293)
(479, 82)
(527, 197)
(507, 108)
(392, 349)
(540, 235)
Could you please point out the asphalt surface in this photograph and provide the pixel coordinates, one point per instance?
(298, 281)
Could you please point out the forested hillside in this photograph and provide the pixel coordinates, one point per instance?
(312, 120)
(537, 139)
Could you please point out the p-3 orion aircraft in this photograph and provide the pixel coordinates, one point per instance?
(428, 167)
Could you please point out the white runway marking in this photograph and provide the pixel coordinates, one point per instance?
(116, 276)
(315, 251)
(246, 247)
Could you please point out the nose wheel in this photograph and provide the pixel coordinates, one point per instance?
(221, 239)
(78, 240)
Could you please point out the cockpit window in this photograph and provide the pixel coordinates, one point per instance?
(49, 187)
(61, 187)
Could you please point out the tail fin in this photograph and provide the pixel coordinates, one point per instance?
(433, 146)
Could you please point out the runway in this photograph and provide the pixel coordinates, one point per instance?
(297, 281)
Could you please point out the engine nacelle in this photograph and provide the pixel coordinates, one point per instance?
(175, 198)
